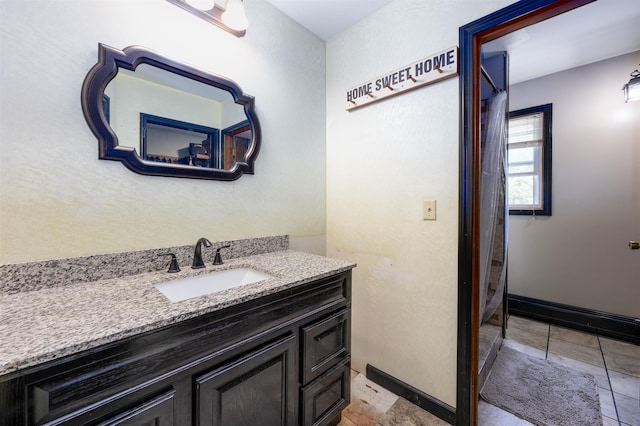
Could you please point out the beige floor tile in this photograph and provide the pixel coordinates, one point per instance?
(578, 352)
(369, 402)
(528, 332)
(599, 373)
(404, 413)
(373, 393)
(574, 336)
(361, 413)
(621, 356)
(620, 347)
(346, 422)
(513, 344)
(628, 409)
(607, 407)
(527, 324)
(607, 421)
(625, 384)
(490, 415)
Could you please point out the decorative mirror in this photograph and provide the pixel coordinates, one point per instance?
(160, 117)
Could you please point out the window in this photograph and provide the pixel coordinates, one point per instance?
(529, 161)
(166, 140)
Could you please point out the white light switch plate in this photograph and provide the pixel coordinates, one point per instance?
(429, 210)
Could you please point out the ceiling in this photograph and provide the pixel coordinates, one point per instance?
(327, 18)
(597, 31)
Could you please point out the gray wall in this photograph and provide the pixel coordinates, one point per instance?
(579, 256)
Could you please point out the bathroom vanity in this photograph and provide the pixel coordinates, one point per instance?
(276, 352)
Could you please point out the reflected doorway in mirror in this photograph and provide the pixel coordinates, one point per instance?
(140, 82)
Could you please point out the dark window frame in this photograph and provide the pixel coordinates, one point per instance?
(547, 120)
(213, 134)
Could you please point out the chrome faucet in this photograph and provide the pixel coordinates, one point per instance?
(198, 263)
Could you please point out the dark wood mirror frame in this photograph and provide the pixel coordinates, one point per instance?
(96, 81)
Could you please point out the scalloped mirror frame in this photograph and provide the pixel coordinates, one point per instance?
(109, 61)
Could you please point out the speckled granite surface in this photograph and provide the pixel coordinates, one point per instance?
(32, 276)
(38, 326)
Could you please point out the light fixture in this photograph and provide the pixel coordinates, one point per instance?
(632, 88)
(202, 4)
(234, 16)
(236, 23)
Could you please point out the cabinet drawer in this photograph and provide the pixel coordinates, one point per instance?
(325, 343)
(327, 396)
(157, 411)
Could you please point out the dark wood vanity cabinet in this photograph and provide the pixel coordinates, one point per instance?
(282, 360)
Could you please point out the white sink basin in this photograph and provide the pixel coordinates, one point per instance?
(187, 288)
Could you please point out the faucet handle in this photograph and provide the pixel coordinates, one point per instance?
(173, 266)
(218, 259)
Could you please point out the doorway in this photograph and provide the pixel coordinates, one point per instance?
(472, 36)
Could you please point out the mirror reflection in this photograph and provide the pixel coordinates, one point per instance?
(171, 119)
(161, 117)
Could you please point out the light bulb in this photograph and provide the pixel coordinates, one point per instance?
(234, 17)
(632, 90)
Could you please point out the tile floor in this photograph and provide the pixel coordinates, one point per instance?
(614, 364)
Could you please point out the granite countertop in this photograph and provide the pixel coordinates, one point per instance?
(39, 326)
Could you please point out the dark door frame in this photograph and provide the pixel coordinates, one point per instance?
(472, 36)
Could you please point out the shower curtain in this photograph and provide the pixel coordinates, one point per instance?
(493, 208)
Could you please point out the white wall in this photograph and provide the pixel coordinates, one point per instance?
(59, 200)
(382, 161)
(579, 256)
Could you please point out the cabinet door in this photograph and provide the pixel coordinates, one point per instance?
(157, 411)
(258, 388)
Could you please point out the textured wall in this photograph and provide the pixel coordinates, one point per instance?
(382, 161)
(59, 200)
(579, 256)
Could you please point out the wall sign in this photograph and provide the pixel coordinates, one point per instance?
(433, 68)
